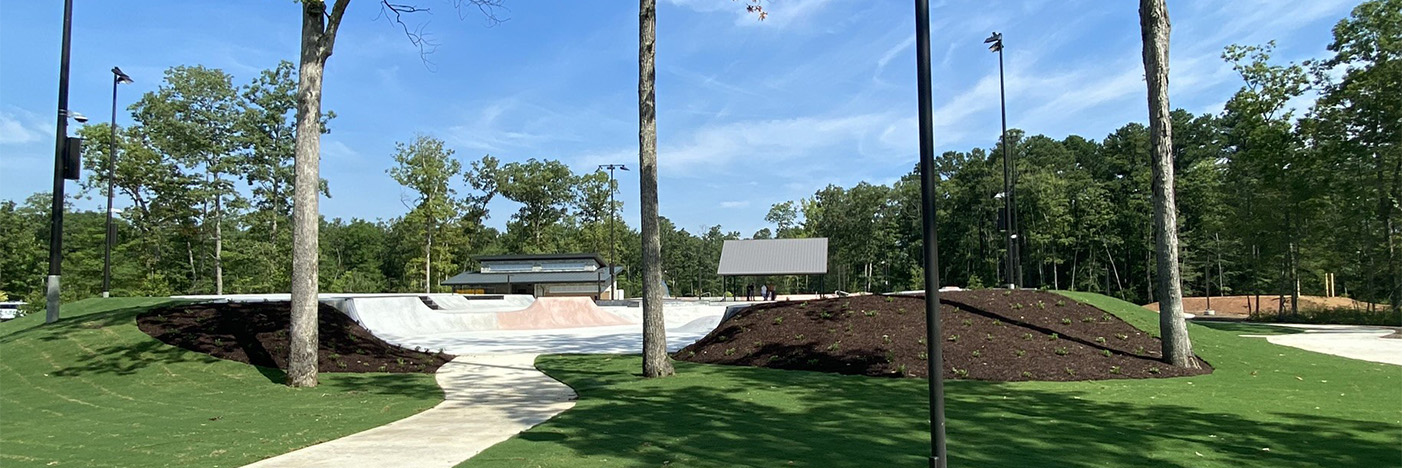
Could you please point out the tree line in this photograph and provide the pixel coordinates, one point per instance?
(1270, 200)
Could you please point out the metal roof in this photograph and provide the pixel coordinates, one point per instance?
(774, 257)
(474, 278)
(527, 257)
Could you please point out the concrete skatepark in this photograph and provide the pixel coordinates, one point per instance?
(492, 390)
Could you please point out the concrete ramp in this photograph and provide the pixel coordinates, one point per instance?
(408, 316)
(558, 312)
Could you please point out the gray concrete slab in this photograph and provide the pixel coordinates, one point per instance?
(487, 399)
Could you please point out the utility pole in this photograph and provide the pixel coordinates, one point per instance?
(613, 246)
(935, 387)
(1013, 269)
(117, 78)
(51, 289)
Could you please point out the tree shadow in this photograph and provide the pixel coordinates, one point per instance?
(845, 421)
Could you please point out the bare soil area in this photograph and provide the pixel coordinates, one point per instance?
(257, 333)
(985, 335)
(1243, 306)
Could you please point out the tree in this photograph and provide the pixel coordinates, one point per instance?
(1155, 51)
(426, 168)
(191, 120)
(655, 352)
(546, 191)
(319, 27)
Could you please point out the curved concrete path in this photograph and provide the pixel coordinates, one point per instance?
(1351, 341)
(487, 399)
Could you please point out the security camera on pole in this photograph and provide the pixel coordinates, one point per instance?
(66, 166)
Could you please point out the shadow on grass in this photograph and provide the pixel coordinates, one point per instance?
(831, 420)
(1246, 328)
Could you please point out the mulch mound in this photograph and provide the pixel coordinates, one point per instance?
(986, 335)
(257, 333)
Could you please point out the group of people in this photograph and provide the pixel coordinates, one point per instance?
(767, 292)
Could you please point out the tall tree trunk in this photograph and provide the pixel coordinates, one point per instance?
(428, 248)
(1155, 42)
(302, 359)
(219, 245)
(655, 351)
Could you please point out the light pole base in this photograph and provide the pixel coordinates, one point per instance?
(104, 294)
(51, 295)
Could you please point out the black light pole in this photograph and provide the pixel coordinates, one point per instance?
(935, 386)
(51, 287)
(1011, 219)
(117, 78)
(613, 246)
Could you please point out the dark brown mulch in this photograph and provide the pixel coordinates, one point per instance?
(986, 335)
(257, 333)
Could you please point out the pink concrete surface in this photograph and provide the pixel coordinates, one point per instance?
(558, 312)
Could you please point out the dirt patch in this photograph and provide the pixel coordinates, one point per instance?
(1243, 306)
(257, 333)
(986, 335)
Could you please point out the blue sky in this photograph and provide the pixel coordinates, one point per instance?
(749, 113)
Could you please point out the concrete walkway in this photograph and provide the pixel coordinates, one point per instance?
(1352, 341)
(487, 399)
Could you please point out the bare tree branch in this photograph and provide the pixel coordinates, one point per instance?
(396, 14)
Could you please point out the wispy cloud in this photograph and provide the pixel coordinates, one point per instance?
(19, 126)
(735, 204)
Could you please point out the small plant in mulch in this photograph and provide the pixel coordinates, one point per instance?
(779, 320)
(721, 337)
(901, 310)
(1008, 292)
(922, 355)
(966, 322)
(341, 364)
(1106, 317)
(886, 339)
(1116, 369)
(758, 343)
(833, 331)
(1153, 370)
(845, 304)
(1070, 371)
(989, 337)
(1066, 321)
(870, 313)
(1101, 340)
(1016, 306)
(888, 356)
(812, 362)
(1060, 303)
(887, 298)
(1026, 374)
(694, 353)
(1107, 353)
(799, 337)
(1061, 351)
(730, 351)
(825, 314)
(834, 347)
(997, 323)
(1140, 350)
(921, 341)
(804, 304)
(960, 373)
(902, 369)
(953, 338)
(1089, 319)
(1052, 337)
(1121, 336)
(1041, 305)
(1028, 336)
(1019, 353)
(975, 353)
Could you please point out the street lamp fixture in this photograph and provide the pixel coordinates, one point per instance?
(117, 78)
(1012, 273)
(613, 246)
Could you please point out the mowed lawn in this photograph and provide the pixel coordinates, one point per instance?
(1264, 405)
(94, 391)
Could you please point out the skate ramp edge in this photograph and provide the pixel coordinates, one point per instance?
(559, 312)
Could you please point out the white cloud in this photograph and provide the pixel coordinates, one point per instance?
(771, 145)
(735, 204)
(18, 126)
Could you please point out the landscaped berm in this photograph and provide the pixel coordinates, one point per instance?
(999, 335)
(257, 333)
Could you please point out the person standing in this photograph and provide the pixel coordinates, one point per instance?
(765, 294)
(750, 291)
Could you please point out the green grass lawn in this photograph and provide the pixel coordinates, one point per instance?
(94, 391)
(1264, 405)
